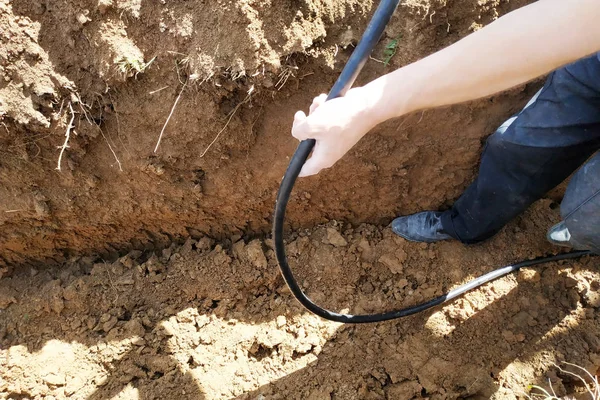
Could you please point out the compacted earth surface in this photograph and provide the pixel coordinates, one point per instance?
(141, 147)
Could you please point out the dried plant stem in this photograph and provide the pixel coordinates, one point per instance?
(170, 115)
(67, 137)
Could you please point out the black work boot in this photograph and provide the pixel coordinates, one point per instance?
(559, 235)
(421, 227)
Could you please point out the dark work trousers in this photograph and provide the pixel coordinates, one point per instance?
(557, 132)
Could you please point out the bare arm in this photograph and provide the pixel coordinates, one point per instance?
(516, 48)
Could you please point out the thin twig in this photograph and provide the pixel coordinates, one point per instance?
(170, 115)
(67, 137)
(231, 114)
(591, 390)
(111, 149)
(36, 138)
(377, 60)
(158, 90)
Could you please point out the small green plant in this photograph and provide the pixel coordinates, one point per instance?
(544, 395)
(132, 66)
(390, 51)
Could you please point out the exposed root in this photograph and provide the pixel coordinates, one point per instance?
(67, 137)
(158, 90)
(592, 389)
(287, 72)
(170, 115)
(111, 149)
(231, 114)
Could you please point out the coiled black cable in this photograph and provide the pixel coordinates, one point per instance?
(345, 81)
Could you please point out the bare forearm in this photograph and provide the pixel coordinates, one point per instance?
(518, 47)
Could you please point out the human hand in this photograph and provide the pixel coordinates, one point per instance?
(336, 125)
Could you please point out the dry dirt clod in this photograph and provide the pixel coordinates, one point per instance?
(134, 327)
(54, 379)
(281, 321)
(108, 325)
(255, 254)
(335, 238)
(392, 262)
(529, 275)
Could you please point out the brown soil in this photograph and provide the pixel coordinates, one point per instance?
(114, 193)
(203, 321)
(133, 274)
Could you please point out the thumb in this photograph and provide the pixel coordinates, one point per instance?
(312, 166)
(299, 128)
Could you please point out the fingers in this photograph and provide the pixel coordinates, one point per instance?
(317, 162)
(317, 102)
(299, 128)
(312, 167)
(301, 131)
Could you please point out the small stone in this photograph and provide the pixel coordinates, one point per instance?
(335, 238)
(83, 18)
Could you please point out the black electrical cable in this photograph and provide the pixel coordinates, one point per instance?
(344, 82)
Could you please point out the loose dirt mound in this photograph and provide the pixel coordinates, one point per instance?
(242, 69)
(203, 321)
